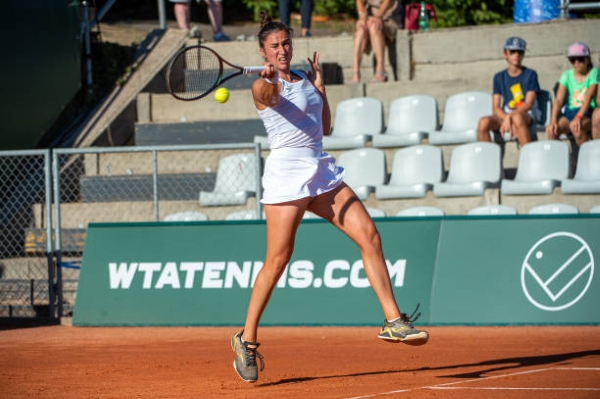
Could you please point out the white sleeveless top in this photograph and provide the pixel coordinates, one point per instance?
(296, 166)
(296, 120)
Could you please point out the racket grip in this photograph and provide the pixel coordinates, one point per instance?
(249, 70)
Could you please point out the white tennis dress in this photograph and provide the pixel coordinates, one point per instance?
(297, 167)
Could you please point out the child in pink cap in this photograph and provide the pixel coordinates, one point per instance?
(577, 94)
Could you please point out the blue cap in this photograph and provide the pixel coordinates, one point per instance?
(515, 43)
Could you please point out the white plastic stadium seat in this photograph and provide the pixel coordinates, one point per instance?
(262, 140)
(248, 214)
(376, 213)
(186, 217)
(461, 117)
(236, 181)
(310, 215)
(542, 166)
(587, 174)
(554, 209)
(492, 210)
(473, 168)
(595, 209)
(410, 119)
(373, 212)
(421, 211)
(356, 120)
(365, 168)
(414, 172)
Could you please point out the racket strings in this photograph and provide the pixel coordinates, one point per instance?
(198, 72)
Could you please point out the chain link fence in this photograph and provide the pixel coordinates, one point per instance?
(49, 198)
(27, 270)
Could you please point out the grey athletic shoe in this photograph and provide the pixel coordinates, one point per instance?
(403, 331)
(245, 358)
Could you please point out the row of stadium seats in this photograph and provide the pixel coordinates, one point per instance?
(486, 210)
(474, 167)
(412, 119)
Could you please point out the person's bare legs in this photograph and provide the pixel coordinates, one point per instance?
(215, 15)
(486, 124)
(360, 45)
(520, 127)
(183, 14)
(282, 223)
(596, 124)
(378, 44)
(344, 210)
(583, 134)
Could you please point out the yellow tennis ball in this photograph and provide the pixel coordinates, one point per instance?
(222, 95)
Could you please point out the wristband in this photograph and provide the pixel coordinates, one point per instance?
(270, 81)
(578, 116)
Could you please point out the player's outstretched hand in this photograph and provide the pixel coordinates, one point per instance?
(314, 74)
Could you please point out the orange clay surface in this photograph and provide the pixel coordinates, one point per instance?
(300, 362)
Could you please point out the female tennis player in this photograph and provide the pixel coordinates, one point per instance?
(299, 177)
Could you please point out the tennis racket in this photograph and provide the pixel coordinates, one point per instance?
(195, 71)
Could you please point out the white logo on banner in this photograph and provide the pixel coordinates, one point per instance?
(553, 282)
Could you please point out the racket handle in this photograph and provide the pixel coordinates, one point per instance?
(249, 70)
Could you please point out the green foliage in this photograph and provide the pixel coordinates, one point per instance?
(450, 12)
(472, 12)
(256, 6)
(344, 8)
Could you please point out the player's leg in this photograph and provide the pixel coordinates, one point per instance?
(487, 124)
(282, 223)
(343, 209)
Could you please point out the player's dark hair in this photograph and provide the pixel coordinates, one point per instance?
(268, 26)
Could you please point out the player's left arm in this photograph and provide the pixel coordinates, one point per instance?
(316, 77)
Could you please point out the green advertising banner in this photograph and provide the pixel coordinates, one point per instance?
(201, 273)
(517, 270)
(461, 270)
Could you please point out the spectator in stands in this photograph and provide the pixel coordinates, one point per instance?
(576, 92)
(306, 7)
(377, 24)
(514, 97)
(183, 15)
(300, 177)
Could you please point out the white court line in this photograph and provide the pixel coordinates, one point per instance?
(447, 385)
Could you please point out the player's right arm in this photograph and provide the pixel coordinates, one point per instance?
(265, 90)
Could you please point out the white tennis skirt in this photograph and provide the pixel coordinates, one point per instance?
(294, 173)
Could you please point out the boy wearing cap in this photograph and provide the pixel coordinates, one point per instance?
(576, 92)
(514, 98)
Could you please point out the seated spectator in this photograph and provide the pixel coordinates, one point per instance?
(377, 24)
(576, 92)
(596, 115)
(514, 97)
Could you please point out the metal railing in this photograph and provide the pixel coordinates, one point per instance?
(48, 198)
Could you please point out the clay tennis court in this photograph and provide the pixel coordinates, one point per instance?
(320, 362)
